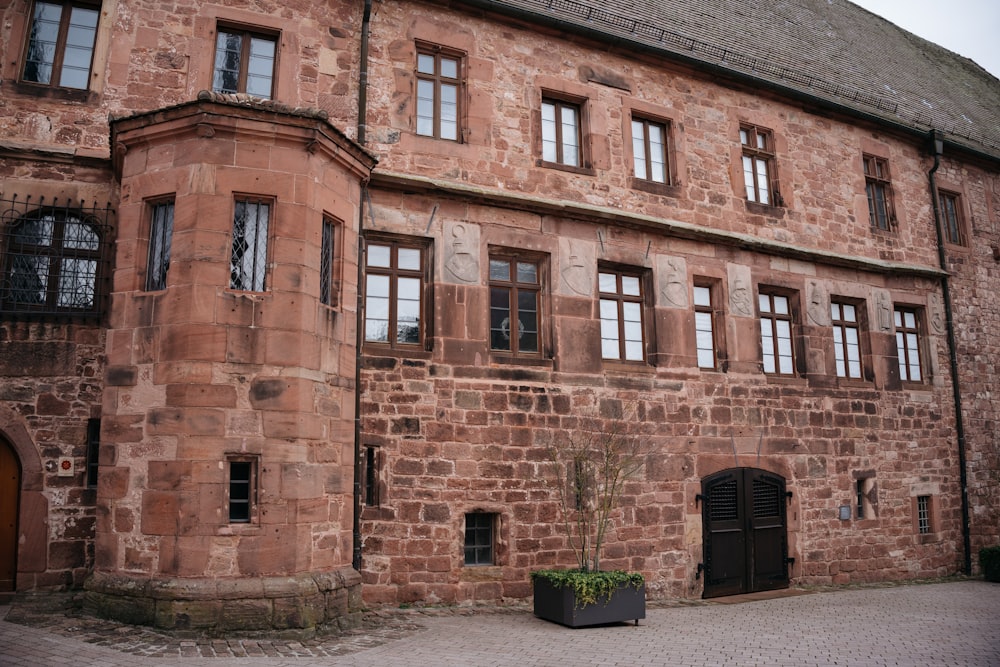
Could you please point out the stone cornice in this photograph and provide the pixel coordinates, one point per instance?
(672, 228)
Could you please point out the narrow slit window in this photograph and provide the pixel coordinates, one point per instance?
(326, 282)
(923, 514)
(241, 490)
(161, 229)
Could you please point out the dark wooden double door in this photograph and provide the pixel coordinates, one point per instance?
(745, 532)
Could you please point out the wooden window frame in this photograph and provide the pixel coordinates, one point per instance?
(258, 270)
(559, 103)
(905, 348)
(247, 34)
(952, 218)
(878, 182)
(393, 274)
(59, 56)
(713, 311)
(838, 323)
(439, 80)
(750, 138)
(664, 125)
(770, 315)
(515, 288)
(619, 298)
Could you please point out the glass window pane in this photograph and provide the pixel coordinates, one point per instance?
(630, 285)
(260, 69)
(607, 283)
(449, 68)
(609, 310)
(42, 45)
(378, 255)
(409, 259)
(425, 63)
(764, 301)
(702, 296)
(527, 272)
(781, 305)
(228, 47)
(762, 182)
(499, 269)
(609, 348)
(706, 358)
(639, 148)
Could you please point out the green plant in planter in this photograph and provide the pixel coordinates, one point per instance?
(989, 561)
(589, 587)
(592, 461)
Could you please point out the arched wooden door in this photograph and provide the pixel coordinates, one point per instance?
(10, 492)
(745, 532)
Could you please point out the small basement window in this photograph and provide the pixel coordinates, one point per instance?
(479, 538)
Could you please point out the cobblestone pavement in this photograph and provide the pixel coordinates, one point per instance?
(950, 623)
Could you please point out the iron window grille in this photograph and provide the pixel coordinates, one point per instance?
(878, 188)
(479, 538)
(242, 489)
(161, 230)
(438, 89)
(248, 262)
(923, 514)
(93, 450)
(326, 282)
(244, 63)
(55, 258)
(60, 48)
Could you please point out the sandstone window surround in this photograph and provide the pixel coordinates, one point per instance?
(846, 324)
(515, 282)
(909, 343)
(480, 538)
(161, 228)
(395, 282)
(622, 311)
(707, 323)
(651, 150)
(55, 260)
(951, 217)
(248, 258)
(878, 188)
(777, 325)
(760, 175)
(60, 44)
(245, 61)
(438, 76)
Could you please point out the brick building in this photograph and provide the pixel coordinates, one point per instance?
(296, 297)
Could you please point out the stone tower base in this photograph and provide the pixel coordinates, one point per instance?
(295, 607)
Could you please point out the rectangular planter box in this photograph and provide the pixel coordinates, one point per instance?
(559, 605)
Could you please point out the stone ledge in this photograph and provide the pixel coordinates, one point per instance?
(293, 606)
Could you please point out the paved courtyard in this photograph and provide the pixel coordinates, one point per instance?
(952, 623)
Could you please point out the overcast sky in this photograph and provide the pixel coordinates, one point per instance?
(968, 27)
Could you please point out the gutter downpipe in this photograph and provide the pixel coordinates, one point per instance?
(359, 324)
(937, 146)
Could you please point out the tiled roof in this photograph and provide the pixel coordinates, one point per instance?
(828, 49)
